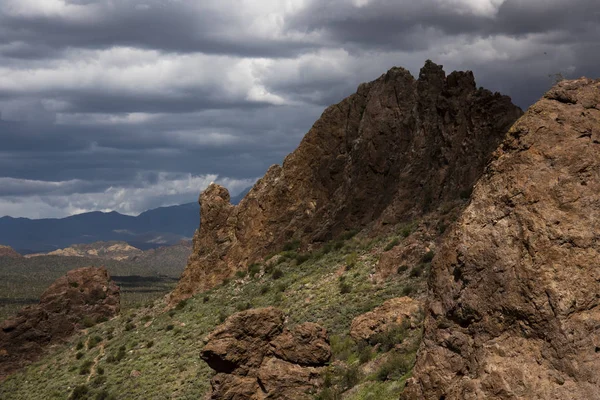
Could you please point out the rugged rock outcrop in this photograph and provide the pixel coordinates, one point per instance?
(81, 298)
(7, 251)
(257, 358)
(514, 311)
(396, 148)
(398, 311)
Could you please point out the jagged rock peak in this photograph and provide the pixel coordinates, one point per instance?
(514, 311)
(395, 149)
(79, 299)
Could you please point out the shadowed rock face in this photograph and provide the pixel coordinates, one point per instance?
(84, 295)
(255, 357)
(393, 150)
(514, 308)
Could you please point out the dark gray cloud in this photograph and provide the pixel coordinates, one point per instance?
(135, 104)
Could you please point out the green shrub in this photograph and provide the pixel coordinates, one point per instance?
(277, 273)
(344, 287)
(427, 257)
(394, 367)
(391, 244)
(79, 355)
(408, 290)
(169, 327)
(351, 260)
(205, 299)
(80, 392)
(181, 305)
(417, 271)
(302, 258)
(402, 269)
(99, 380)
(394, 335)
(149, 344)
(350, 376)
(85, 368)
(264, 289)
(88, 322)
(240, 274)
(281, 287)
(79, 345)
(465, 194)
(254, 269)
(348, 234)
(93, 341)
(222, 315)
(342, 347)
(243, 306)
(406, 230)
(74, 284)
(291, 245)
(100, 370)
(364, 354)
(129, 326)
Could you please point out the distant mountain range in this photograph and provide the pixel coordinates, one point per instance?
(151, 229)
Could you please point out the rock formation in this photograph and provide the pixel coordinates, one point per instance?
(514, 311)
(257, 358)
(396, 148)
(6, 251)
(398, 311)
(81, 298)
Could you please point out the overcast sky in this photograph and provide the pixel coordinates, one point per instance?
(132, 104)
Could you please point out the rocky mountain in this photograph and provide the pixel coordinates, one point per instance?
(419, 243)
(395, 149)
(514, 311)
(82, 298)
(7, 251)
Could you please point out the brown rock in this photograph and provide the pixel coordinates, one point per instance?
(515, 311)
(284, 380)
(241, 342)
(391, 151)
(6, 251)
(393, 312)
(306, 344)
(258, 359)
(85, 294)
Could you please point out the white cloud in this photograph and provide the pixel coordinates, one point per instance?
(65, 198)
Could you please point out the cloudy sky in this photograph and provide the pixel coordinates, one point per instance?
(132, 104)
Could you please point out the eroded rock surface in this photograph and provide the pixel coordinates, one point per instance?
(394, 312)
(256, 357)
(393, 150)
(514, 311)
(82, 297)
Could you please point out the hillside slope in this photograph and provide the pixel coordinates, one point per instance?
(397, 148)
(514, 311)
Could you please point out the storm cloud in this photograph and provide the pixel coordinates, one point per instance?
(135, 104)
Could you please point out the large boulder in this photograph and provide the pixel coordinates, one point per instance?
(392, 151)
(256, 357)
(82, 297)
(514, 311)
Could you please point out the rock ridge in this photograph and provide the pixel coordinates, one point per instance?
(392, 151)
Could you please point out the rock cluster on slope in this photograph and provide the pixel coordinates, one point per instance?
(82, 297)
(394, 312)
(515, 306)
(257, 358)
(396, 148)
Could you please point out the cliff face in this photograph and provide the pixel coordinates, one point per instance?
(514, 309)
(389, 152)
